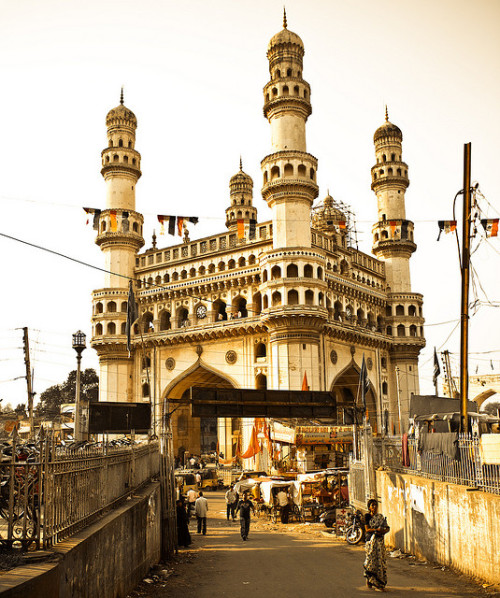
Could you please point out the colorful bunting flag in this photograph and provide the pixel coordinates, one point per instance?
(241, 228)
(448, 226)
(172, 220)
(96, 213)
(305, 386)
(490, 226)
(393, 224)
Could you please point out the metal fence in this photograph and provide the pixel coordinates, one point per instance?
(466, 468)
(48, 492)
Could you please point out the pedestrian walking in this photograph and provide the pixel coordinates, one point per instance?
(201, 509)
(197, 477)
(284, 505)
(244, 507)
(375, 561)
(231, 502)
(183, 535)
(192, 495)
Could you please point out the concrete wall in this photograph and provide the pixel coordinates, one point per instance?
(443, 523)
(107, 559)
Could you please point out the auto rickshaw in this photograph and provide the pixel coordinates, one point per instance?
(185, 480)
(209, 479)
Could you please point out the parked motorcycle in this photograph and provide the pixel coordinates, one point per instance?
(355, 527)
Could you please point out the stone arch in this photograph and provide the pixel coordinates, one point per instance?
(197, 434)
(345, 386)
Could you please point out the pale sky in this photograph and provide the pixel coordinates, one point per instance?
(193, 74)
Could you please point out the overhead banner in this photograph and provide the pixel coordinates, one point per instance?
(323, 434)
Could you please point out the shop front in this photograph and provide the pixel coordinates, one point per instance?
(322, 447)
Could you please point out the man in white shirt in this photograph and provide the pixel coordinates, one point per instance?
(231, 501)
(201, 509)
(191, 498)
(283, 503)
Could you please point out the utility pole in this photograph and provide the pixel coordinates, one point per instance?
(28, 379)
(464, 312)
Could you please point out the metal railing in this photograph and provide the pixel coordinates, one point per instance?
(48, 492)
(465, 469)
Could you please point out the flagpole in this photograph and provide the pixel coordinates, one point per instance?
(464, 312)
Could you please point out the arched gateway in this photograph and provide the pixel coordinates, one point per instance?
(197, 434)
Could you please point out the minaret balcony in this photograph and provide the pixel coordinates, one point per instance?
(390, 174)
(392, 230)
(287, 105)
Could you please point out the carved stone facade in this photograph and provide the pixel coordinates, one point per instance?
(264, 304)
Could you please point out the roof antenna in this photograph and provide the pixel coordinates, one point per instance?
(121, 96)
(284, 18)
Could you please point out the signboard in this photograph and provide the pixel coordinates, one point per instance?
(119, 418)
(247, 402)
(281, 433)
(323, 434)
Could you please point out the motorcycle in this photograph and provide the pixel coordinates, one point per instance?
(355, 527)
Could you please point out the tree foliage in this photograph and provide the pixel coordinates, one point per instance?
(53, 397)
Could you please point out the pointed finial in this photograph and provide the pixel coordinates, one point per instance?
(284, 18)
(154, 239)
(121, 96)
(241, 165)
(386, 114)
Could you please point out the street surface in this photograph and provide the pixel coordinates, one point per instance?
(293, 561)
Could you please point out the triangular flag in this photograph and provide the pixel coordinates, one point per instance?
(490, 226)
(448, 226)
(305, 386)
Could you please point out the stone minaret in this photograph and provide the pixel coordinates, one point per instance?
(241, 196)
(393, 243)
(120, 238)
(293, 285)
(289, 171)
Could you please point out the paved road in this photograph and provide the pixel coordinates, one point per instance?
(291, 564)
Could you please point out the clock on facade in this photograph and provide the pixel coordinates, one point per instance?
(201, 312)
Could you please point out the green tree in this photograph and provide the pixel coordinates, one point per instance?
(53, 397)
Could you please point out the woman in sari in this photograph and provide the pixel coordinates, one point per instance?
(375, 562)
(183, 535)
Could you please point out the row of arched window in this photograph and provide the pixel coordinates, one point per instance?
(401, 330)
(239, 214)
(120, 143)
(399, 310)
(289, 73)
(111, 307)
(285, 91)
(288, 172)
(292, 271)
(201, 271)
(125, 226)
(116, 158)
(384, 158)
(390, 172)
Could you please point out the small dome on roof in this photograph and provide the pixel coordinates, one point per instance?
(241, 177)
(121, 113)
(285, 36)
(387, 130)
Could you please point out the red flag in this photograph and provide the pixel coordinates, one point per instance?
(304, 382)
(393, 224)
(490, 226)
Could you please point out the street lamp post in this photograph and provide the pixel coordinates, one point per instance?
(81, 424)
